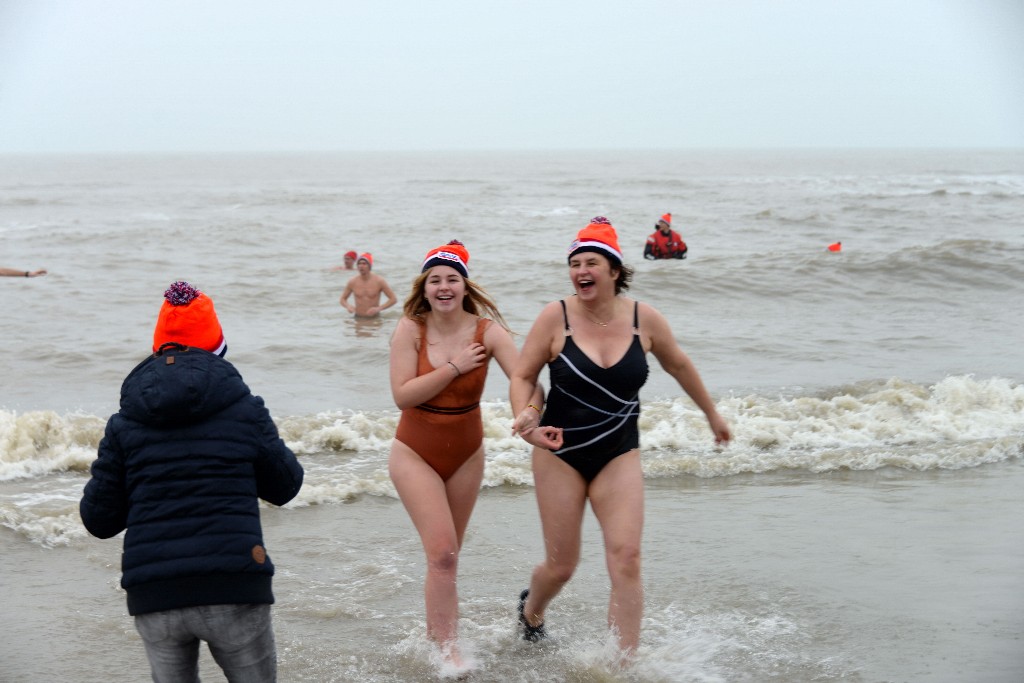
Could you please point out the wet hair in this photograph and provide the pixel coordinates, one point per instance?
(476, 301)
(623, 279)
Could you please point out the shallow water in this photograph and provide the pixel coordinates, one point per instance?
(880, 575)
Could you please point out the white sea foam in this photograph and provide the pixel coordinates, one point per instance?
(36, 443)
(958, 422)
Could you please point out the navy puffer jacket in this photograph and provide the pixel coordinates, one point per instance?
(181, 467)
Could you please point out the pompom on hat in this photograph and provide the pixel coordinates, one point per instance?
(454, 254)
(366, 256)
(599, 237)
(187, 317)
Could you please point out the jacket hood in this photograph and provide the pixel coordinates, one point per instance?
(180, 386)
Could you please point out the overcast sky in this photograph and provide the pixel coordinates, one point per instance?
(226, 75)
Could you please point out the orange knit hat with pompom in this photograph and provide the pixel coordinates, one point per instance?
(187, 317)
(453, 254)
(598, 237)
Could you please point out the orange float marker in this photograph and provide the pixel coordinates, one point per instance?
(838, 246)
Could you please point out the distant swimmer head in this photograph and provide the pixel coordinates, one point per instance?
(187, 317)
(366, 256)
(454, 254)
(600, 237)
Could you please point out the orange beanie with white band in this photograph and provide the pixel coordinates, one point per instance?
(599, 237)
(453, 254)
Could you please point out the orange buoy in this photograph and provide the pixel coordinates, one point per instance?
(838, 246)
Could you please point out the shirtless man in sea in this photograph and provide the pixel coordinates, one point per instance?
(368, 288)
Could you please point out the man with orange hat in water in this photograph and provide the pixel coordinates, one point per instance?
(367, 288)
(348, 261)
(665, 242)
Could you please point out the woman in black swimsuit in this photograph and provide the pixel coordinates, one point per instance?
(595, 344)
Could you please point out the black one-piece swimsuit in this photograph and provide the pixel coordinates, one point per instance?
(597, 408)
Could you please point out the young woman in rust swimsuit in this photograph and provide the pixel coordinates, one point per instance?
(439, 355)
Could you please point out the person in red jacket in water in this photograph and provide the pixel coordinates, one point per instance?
(665, 242)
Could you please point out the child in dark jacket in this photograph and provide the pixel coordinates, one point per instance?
(182, 467)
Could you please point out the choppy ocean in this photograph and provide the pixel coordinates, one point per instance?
(865, 525)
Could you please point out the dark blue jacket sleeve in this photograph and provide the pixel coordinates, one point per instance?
(278, 472)
(104, 505)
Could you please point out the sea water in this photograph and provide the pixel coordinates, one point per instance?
(864, 525)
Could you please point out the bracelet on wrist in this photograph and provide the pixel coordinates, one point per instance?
(530, 405)
(455, 368)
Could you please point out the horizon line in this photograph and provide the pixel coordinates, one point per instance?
(524, 150)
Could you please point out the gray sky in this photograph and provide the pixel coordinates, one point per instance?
(224, 75)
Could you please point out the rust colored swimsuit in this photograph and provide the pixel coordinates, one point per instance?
(447, 430)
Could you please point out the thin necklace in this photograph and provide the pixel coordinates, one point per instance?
(586, 313)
